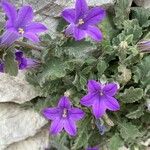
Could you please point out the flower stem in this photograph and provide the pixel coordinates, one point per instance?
(23, 44)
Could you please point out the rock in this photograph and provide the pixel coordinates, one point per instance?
(143, 3)
(39, 142)
(16, 89)
(17, 124)
(123, 148)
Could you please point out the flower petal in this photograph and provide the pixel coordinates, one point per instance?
(35, 27)
(69, 15)
(31, 63)
(9, 37)
(70, 127)
(79, 34)
(1, 67)
(89, 99)
(93, 86)
(56, 126)
(64, 102)
(94, 33)
(25, 16)
(22, 63)
(11, 13)
(81, 8)
(31, 36)
(111, 103)
(99, 107)
(94, 148)
(18, 54)
(70, 29)
(110, 89)
(51, 113)
(95, 15)
(76, 114)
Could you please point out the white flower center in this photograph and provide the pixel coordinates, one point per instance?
(64, 115)
(80, 22)
(21, 31)
(101, 93)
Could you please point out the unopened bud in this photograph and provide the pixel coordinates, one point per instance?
(123, 45)
(67, 93)
(108, 120)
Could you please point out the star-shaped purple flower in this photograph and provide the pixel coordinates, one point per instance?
(21, 21)
(100, 97)
(24, 62)
(83, 20)
(64, 117)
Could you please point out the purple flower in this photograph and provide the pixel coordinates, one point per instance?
(64, 117)
(94, 148)
(100, 97)
(83, 20)
(21, 21)
(8, 38)
(144, 46)
(24, 62)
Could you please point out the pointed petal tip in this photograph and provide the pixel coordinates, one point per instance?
(112, 103)
(56, 126)
(86, 100)
(95, 33)
(70, 127)
(64, 102)
(69, 15)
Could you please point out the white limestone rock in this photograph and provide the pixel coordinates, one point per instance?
(90, 2)
(143, 3)
(39, 142)
(16, 89)
(17, 124)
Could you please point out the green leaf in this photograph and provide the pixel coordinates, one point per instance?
(124, 74)
(132, 27)
(141, 14)
(80, 49)
(58, 143)
(142, 72)
(122, 10)
(83, 82)
(53, 69)
(131, 95)
(101, 67)
(107, 27)
(115, 142)
(129, 132)
(136, 113)
(11, 66)
(131, 34)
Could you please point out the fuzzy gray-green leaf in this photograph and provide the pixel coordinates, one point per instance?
(131, 95)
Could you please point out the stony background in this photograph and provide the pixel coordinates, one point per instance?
(25, 129)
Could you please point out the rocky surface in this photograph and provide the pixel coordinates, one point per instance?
(38, 142)
(16, 89)
(17, 124)
(143, 3)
